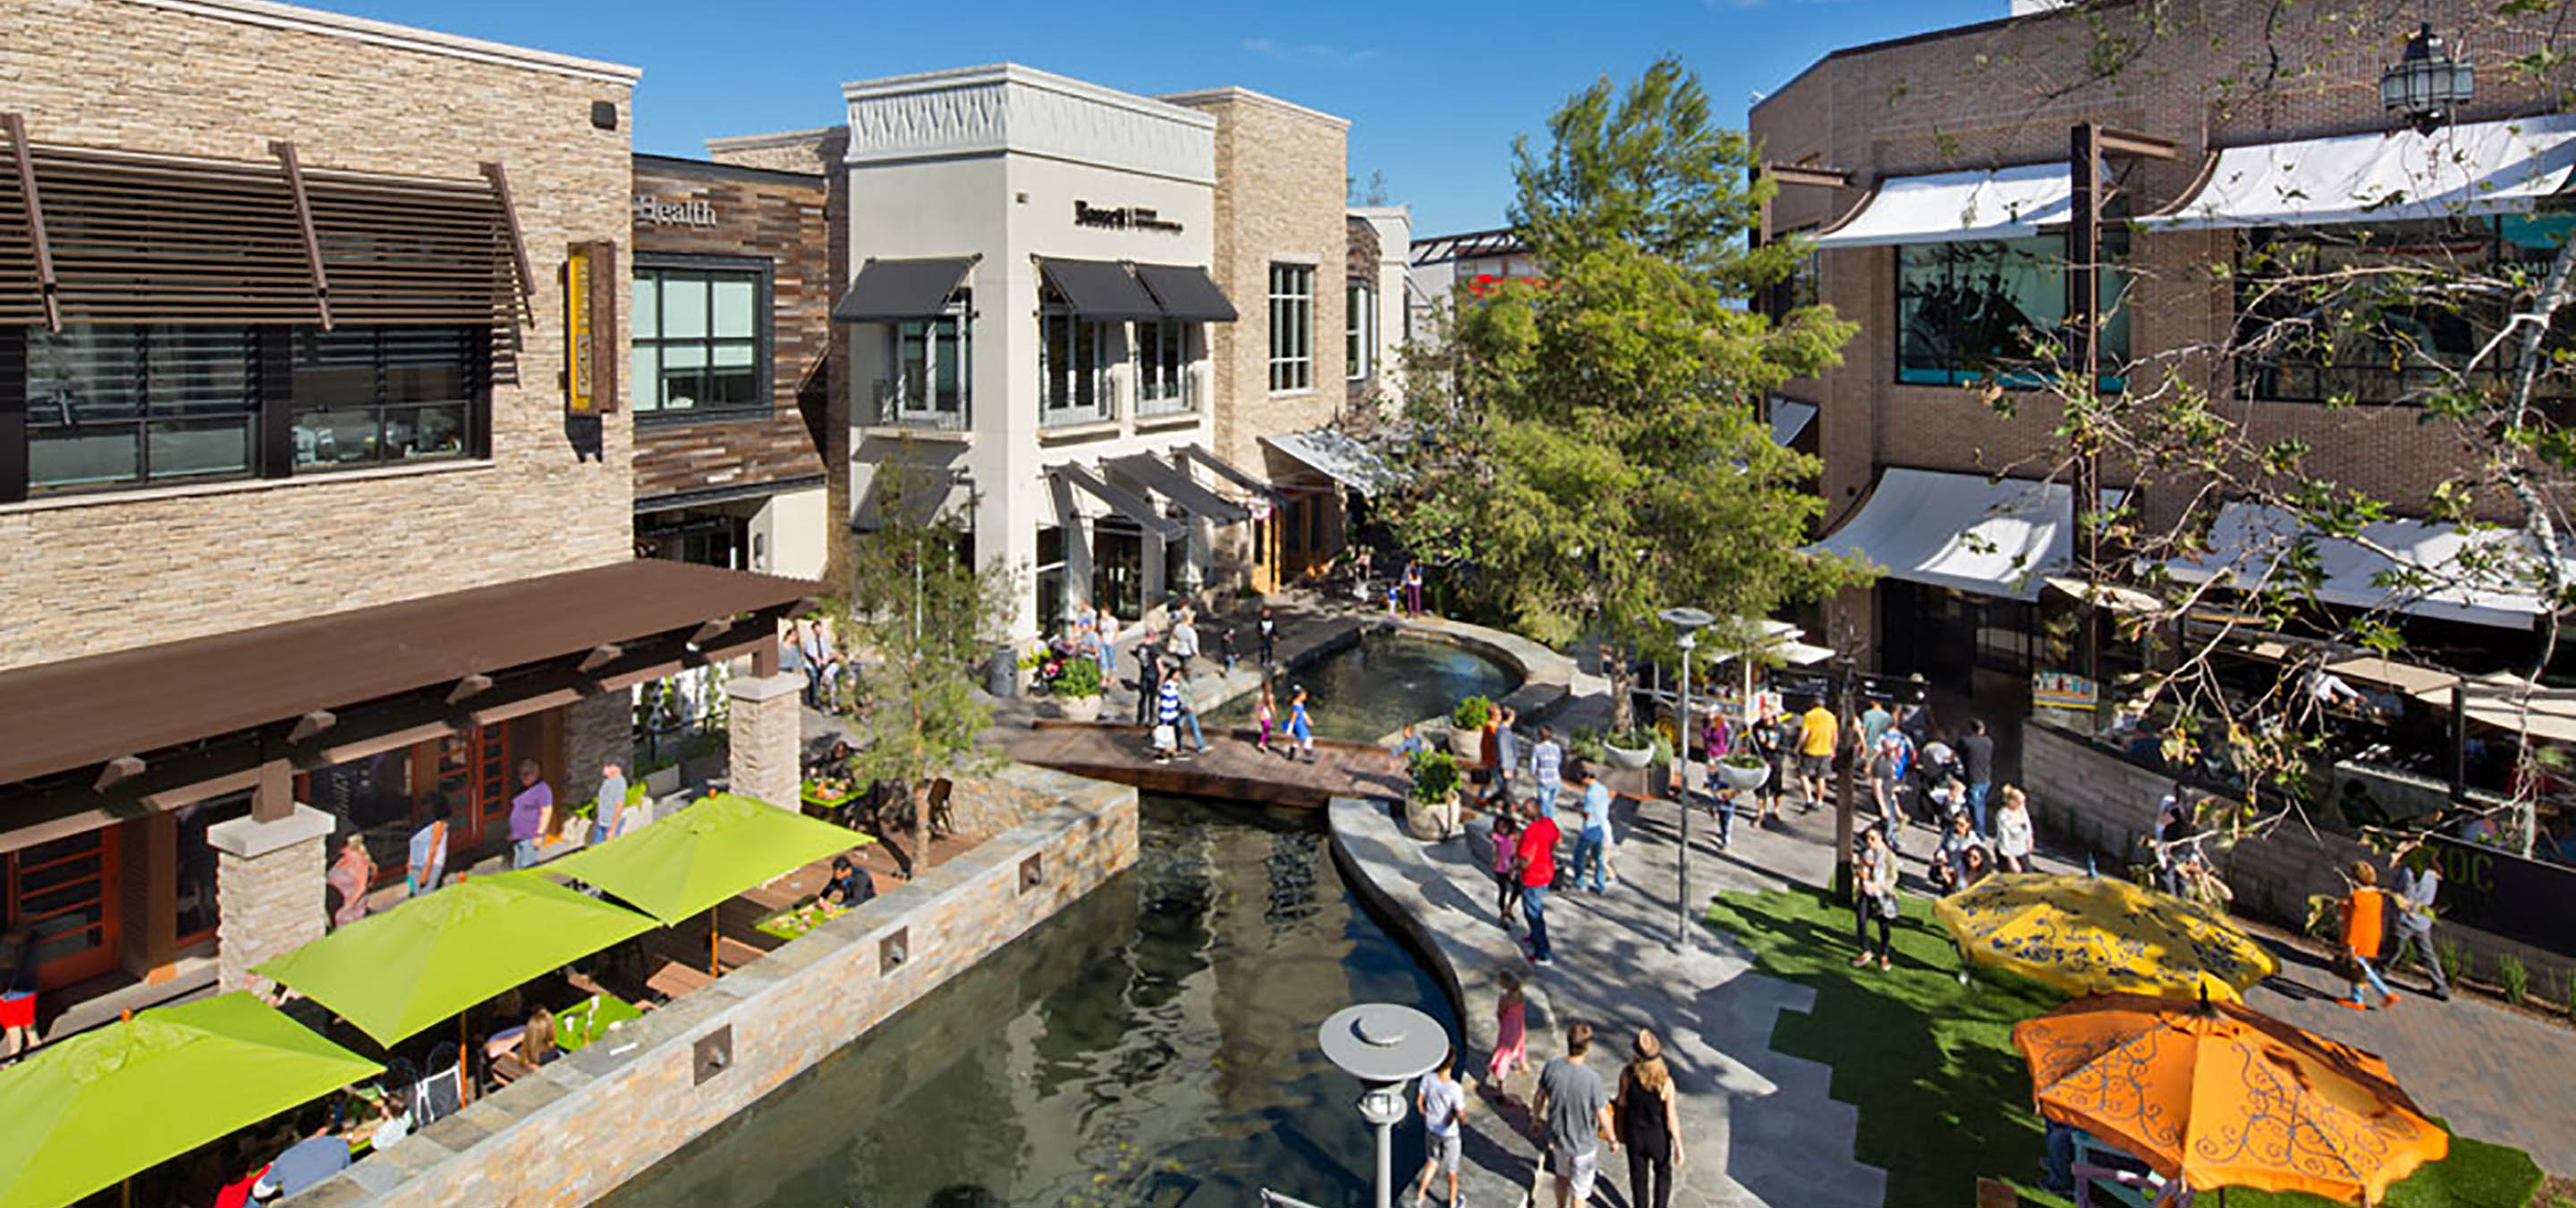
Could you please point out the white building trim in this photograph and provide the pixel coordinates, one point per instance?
(401, 37)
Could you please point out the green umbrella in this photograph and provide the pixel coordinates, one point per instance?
(107, 1103)
(432, 957)
(719, 847)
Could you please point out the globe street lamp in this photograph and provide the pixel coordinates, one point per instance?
(1690, 621)
(2427, 85)
(1385, 1046)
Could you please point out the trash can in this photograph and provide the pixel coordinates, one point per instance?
(1002, 673)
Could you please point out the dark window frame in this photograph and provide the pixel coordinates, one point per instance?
(764, 311)
(2114, 280)
(475, 373)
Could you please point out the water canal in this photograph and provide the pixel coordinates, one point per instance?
(1152, 1045)
(1371, 689)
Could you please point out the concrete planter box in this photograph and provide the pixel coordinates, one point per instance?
(1429, 821)
(1468, 745)
(1743, 779)
(1078, 708)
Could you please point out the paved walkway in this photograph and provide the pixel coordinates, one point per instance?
(1231, 767)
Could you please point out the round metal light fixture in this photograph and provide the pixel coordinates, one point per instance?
(2428, 83)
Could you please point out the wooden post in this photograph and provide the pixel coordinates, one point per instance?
(2084, 321)
(715, 942)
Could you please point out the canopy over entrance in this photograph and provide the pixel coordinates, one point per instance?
(2486, 577)
(1175, 484)
(1946, 207)
(1337, 456)
(1962, 531)
(2474, 168)
(1789, 417)
(1126, 503)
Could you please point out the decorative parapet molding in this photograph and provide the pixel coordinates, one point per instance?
(402, 37)
(1009, 108)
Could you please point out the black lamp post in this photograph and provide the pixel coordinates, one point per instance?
(2428, 83)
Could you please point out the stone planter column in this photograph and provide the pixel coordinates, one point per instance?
(268, 886)
(768, 736)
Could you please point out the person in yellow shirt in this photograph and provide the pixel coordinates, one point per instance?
(1818, 733)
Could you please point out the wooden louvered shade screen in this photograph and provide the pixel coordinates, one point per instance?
(98, 236)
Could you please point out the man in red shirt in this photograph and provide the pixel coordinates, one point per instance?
(1536, 857)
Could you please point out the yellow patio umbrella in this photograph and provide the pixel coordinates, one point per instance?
(2100, 935)
(2219, 1095)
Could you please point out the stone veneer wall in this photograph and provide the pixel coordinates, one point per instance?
(2107, 805)
(587, 1123)
(104, 572)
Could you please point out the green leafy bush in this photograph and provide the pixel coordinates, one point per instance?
(1472, 713)
(1435, 776)
(2515, 979)
(2455, 960)
(1585, 742)
(1081, 678)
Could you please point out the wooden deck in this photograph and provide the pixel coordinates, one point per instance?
(1231, 768)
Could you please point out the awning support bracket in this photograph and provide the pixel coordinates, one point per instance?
(510, 221)
(284, 150)
(46, 283)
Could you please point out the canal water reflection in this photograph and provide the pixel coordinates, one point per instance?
(1371, 689)
(1152, 1045)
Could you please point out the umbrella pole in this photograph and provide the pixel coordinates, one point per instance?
(464, 1061)
(713, 945)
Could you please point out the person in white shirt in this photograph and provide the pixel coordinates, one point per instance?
(1443, 1104)
(1184, 645)
(1547, 769)
(2012, 832)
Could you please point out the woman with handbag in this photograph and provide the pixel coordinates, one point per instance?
(1874, 890)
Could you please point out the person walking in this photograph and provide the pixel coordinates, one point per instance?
(1106, 623)
(528, 814)
(1977, 753)
(425, 863)
(1301, 728)
(1511, 1034)
(2012, 831)
(1149, 680)
(1874, 899)
(1507, 750)
(1572, 1115)
(1413, 588)
(1649, 1123)
(1592, 843)
(1818, 735)
(1762, 740)
(1189, 718)
(2417, 887)
(1443, 1104)
(1507, 835)
(1265, 715)
(1885, 767)
(350, 876)
(1185, 644)
(1167, 717)
(608, 809)
(1874, 722)
(2364, 930)
(1535, 858)
(1547, 770)
(1269, 638)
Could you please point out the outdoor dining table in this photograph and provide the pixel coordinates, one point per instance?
(797, 920)
(580, 1025)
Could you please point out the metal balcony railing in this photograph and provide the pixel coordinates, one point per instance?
(1055, 411)
(1155, 399)
(906, 404)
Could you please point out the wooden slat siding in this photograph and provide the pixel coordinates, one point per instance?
(138, 238)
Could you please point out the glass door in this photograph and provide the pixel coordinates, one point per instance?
(1118, 566)
(64, 894)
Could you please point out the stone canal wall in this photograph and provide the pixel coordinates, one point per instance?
(587, 1123)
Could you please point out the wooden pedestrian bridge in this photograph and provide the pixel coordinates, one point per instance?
(1231, 768)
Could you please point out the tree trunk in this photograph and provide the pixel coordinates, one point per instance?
(1614, 663)
(920, 795)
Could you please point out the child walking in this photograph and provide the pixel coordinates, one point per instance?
(1507, 840)
(1265, 715)
(1511, 1034)
(1301, 729)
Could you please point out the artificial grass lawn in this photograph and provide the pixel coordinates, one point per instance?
(1943, 1096)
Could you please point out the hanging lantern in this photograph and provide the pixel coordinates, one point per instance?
(2427, 85)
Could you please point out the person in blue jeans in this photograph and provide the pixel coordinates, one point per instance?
(1593, 842)
(1977, 751)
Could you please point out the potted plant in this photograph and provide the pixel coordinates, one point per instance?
(1077, 691)
(1743, 772)
(1630, 749)
(1467, 727)
(1431, 806)
(660, 776)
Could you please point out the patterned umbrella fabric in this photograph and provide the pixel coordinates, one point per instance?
(108, 1103)
(2100, 935)
(2219, 1095)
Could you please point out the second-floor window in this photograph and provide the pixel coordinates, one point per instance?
(701, 335)
(1163, 356)
(1292, 327)
(932, 363)
(1359, 323)
(376, 395)
(1994, 310)
(1074, 356)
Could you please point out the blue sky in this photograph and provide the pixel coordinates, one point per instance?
(1434, 91)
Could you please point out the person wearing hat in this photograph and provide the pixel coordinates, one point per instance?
(1649, 1123)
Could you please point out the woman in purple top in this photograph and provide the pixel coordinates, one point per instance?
(528, 814)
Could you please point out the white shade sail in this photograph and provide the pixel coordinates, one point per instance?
(2486, 577)
(1789, 417)
(1337, 456)
(2476, 168)
(1962, 531)
(1946, 207)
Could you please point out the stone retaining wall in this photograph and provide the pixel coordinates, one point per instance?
(2101, 803)
(589, 1122)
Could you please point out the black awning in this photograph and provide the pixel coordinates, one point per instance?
(1226, 470)
(889, 291)
(1186, 293)
(1172, 483)
(1121, 500)
(1098, 289)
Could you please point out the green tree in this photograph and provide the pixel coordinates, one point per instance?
(1587, 447)
(928, 620)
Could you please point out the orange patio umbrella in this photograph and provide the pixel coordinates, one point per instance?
(2219, 1095)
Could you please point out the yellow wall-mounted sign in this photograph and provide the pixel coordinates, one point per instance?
(581, 356)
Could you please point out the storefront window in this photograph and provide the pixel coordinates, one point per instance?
(1073, 368)
(1359, 315)
(931, 364)
(1995, 310)
(1292, 327)
(701, 334)
(1163, 367)
(195, 903)
(130, 405)
(373, 395)
(1050, 579)
(1118, 566)
(373, 796)
(2386, 344)
(59, 892)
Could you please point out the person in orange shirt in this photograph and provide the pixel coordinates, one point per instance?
(2364, 927)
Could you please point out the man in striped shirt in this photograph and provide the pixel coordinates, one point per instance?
(1547, 769)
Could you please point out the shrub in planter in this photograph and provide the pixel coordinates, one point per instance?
(1472, 713)
(1742, 772)
(1435, 776)
(1081, 678)
(1585, 742)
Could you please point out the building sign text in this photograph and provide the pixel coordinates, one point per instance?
(664, 211)
(1122, 218)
